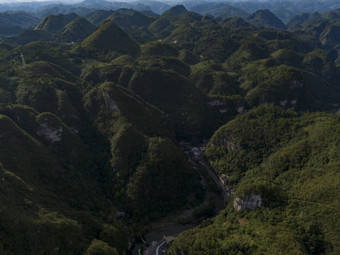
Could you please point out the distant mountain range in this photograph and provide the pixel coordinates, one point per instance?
(283, 9)
(54, 23)
(102, 113)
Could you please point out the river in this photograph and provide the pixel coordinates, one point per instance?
(169, 225)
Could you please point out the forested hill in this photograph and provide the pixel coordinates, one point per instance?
(96, 109)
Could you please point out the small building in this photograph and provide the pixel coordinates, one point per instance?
(197, 153)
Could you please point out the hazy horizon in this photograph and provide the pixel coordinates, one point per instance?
(78, 1)
(25, 1)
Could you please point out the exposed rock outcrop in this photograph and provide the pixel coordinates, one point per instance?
(251, 202)
(52, 134)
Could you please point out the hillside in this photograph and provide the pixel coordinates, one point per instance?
(134, 23)
(174, 11)
(28, 36)
(123, 126)
(98, 17)
(129, 18)
(76, 30)
(219, 10)
(110, 37)
(55, 23)
(283, 169)
(19, 18)
(265, 18)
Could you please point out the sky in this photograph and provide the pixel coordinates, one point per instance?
(21, 1)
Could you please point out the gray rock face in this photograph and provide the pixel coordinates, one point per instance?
(52, 134)
(248, 203)
(109, 102)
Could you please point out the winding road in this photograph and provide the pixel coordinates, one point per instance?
(154, 248)
(225, 192)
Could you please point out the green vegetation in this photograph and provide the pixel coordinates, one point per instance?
(98, 17)
(18, 18)
(90, 130)
(55, 23)
(292, 162)
(265, 18)
(76, 30)
(109, 37)
(163, 168)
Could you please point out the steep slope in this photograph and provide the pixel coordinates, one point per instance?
(126, 18)
(59, 92)
(89, 135)
(55, 23)
(48, 198)
(154, 6)
(19, 18)
(96, 147)
(284, 174)
(76, 31)
(211, 79)
(265, 18)
(140, 152)
(109, 37)
(330, 36)
(10, 30)
(304, 20)
(176, 96)
(219, 10)
(98, 17)
(174, 11)
(134, 23)
(284, 13)
(173, 18)
(63, 9)
(236, 23)
(28, 36)
(288, 86)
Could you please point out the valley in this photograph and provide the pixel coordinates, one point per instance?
(213, 124)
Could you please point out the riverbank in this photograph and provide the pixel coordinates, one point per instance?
(173, 225)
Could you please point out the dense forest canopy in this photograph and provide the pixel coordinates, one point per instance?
(99, 100)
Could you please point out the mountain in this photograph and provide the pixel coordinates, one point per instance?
(56, 9)
(53, 158)
(150, 13)
(155, 6)
(18, 18)
(174, 90)
(253, 6)
(219, 10)
(28, 36)
(170, 122)
(265, 157)
(55, 23)
(304, 20)
(76, 30)
(236, 22)
(265, 18)
(284, 13)
(230, 11)
(67, 125)
(172, 19)
(127, 18)
(98, 17)
(134, 23)
(110, 37)
(10, 30)
(332, 15)
(174, 11)
(103, 5)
